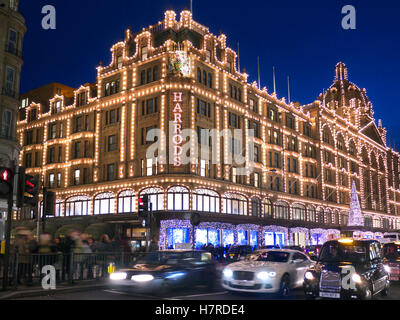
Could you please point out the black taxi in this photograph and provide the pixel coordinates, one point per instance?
(348, 269)
(391, 252)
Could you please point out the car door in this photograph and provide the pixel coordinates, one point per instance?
(378, 273)
(301, 264)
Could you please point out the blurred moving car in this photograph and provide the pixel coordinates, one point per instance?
(391, 252)
(161, 272)
(348, 269)
(267, 271)
(237, 253)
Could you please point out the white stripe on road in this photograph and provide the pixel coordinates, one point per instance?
(201, 295)
(132, 294)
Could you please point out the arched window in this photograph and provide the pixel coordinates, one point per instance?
(345, 218)
(299, 212)
(320, 215)
(77, 206)
(59, 208)
(281, 210)
(368, 222)
(255, 207)
(376, 222)
(204, 78)
(311, 214)
(267, 208)
(206, 200)
(235, 204)
(178, 198)
(104, 203)
(328, 214)
(340, 142)
(326, 135)
(156, 198)
(127, 202)
(352, 148)
(335, 217)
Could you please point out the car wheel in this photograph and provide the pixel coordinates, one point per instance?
(284, 290)
(385, 292)
(368, 294)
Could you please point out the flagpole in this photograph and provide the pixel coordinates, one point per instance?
(259, 78)
(288, 80)
(238, 47)
(273, 77)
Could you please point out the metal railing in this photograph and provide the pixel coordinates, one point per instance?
(25, 269)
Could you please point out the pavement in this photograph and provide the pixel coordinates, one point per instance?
(38, 291)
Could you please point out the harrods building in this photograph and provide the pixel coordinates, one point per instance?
(89, 146)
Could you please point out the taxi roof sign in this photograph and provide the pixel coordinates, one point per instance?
(346, 240)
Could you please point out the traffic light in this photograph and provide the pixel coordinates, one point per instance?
(21, 187)
(6, 181)
(31, 186)
(143, 205)
(49, 203)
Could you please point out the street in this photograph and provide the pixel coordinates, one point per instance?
(197, 293)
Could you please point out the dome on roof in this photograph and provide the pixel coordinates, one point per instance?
(345, 94)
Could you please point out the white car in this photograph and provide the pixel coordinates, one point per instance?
(267, 271)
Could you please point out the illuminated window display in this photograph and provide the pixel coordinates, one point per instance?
(228, 237)
(242, 237)
(177, 236)
(207, 236)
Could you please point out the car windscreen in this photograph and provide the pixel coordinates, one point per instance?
(336, 252)
(274, 256)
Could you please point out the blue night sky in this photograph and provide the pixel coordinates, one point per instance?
(302, 39)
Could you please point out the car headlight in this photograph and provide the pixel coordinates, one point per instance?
(228, 273)
(309, 275)
(265, 275)
(118, 276)
(356, 278)
(387, 268)
(142, 278)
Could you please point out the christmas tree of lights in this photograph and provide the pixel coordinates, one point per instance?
(355, 214)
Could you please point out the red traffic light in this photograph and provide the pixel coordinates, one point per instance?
(6, 175)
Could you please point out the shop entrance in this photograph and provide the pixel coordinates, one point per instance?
(299, 239)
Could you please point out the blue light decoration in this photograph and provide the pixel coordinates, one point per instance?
(228, 237)
(274, 235)
(201, 238)
(320, 236)
(177, 235)
(242, 237)
(254, 238)
(213, 237)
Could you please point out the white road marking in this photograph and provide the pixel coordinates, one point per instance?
(133, 294)
(200, 295)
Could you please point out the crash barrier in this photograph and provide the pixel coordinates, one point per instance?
(25, 269)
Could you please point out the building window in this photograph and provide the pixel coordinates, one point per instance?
(281, 211)
(59, 180)
(6, 124)
(110, 172)
(77, 177)
(77, 150)
(78, 124)
(208, 55)
(203, 108)
(267, 208)
(28, 160)
(156, 198)
(77, 206)
(53, 131)
(104, 203)
(52, 155)
(112, 143)
(151, 167)
(144, 52)
(12, 41)
(235, 204)
(51, 180)
(255, 207)
(127, 202)
(299, 212)
(178, 199)
(150, 106)
(10, 79)
(120, 61)
(205, 200)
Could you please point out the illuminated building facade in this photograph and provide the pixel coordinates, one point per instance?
(89, 146)
(12, 31)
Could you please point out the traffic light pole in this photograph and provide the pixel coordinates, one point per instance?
(44, 211)
(149, 222)
(8, 238)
